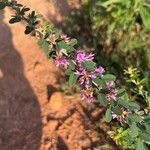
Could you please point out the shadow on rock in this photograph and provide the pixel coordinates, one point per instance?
(62, 145)
(20, 115)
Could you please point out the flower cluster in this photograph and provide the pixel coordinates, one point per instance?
(66, 38)
(85, 77)
(99, 70)
(113, 92)
(61, 62)
(121, 118)
(81, 56)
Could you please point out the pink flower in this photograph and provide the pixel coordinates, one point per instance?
(66, 38)
(112, 95)
(87, 94)
(81, 80)
(82, 56)
(114, 116)
(99, 70)
(61, 62)
(84, 76)
(120, 118)
(83, 72)
(80, 71)
(109, 84)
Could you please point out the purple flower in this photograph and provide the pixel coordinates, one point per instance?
(80, 71)
(109, 84)
(120, 118)
(66, 38)
(87, 94)
(61, 62)
(123, 117)
(114, 116)
(82, 56)
(81, 80)
(84, 76)
(99, 70)
(112, 95)
(83, 72)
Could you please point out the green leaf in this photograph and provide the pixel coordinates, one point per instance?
(145, 136)
(102, 100)
(134, 118)
(68, 72)
(134, 131)
(133, 106)
(123, 102)
(108, 115)
(89, 65)
(110, 2)
(45, 46)
(28, 30)
(145, 15)
(71, 65)
(109, 77)
(15, 20)
(70, 49)
(72, 79)
(121, 92)
(63, 45)
(139, 145)
(112, 103)
(98, 81)
(147, 119)
(19, 5)
(2, 5)
(117, 110)
(40, 42)
(32, 14)
(73, 42)
(26, 9)
(147, 128)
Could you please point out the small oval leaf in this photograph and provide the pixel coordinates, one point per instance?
(2, 5)
(108, 115)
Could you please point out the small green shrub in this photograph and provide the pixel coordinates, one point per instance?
(137, 87)
(120, 32)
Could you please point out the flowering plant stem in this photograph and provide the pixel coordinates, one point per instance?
(96, 85)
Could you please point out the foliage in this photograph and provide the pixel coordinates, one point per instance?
(128, 138)
(132, 137)
(120, 17)
(121, 23)
(120, 32)
(66, 89)
(138, 87)
(97, 85)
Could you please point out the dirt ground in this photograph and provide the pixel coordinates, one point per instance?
(34, 115)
